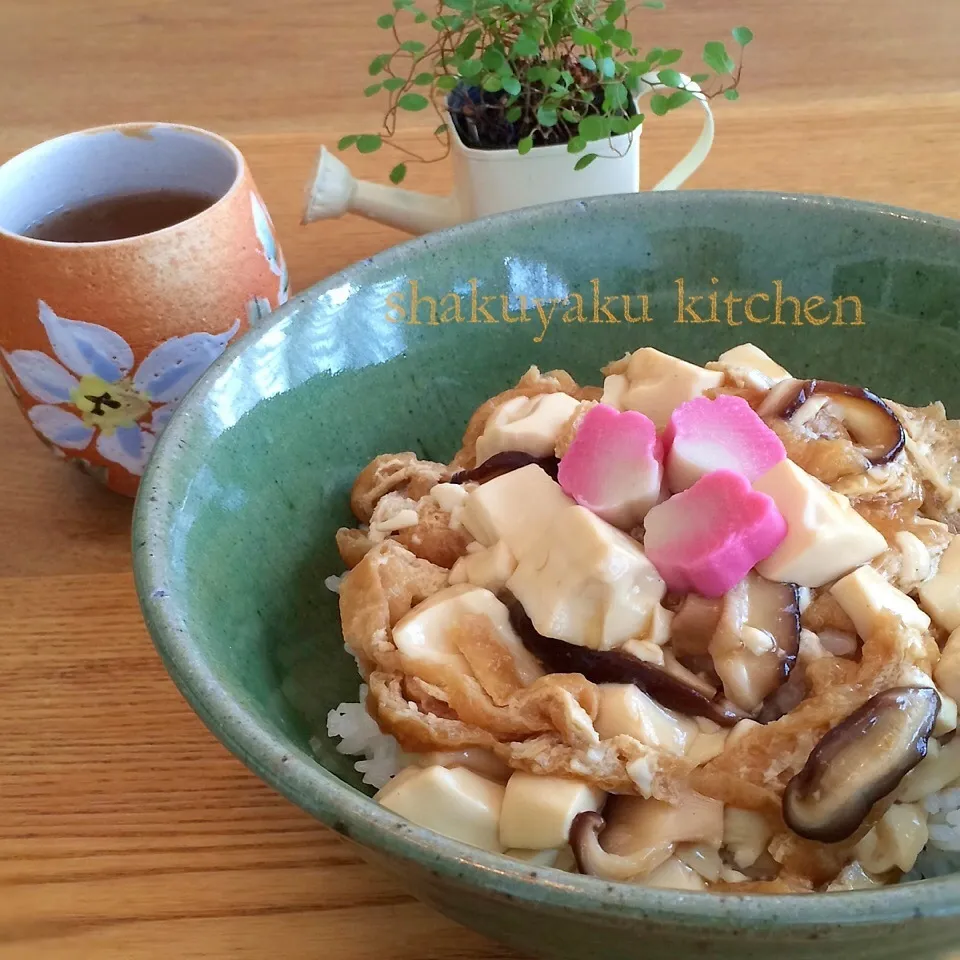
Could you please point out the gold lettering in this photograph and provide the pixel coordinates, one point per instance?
(394, 303)
(683, 307)
(603, 308)
(748, 308)
(645, 302)
(730, 300)
(545, 318)
(809, 306)
(473, 299)
(505, 312)
(780, 301)
(857, 309)
(482, 308)
(416, 300)
(569, 316)
(452, 313)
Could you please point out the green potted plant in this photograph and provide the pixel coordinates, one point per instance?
(537, 100)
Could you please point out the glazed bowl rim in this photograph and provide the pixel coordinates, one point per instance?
(355, 815)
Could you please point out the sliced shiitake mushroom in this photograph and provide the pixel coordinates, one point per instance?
(859, 762)
(613, 666)
(505, 462)
(755, 644)
(872, 425)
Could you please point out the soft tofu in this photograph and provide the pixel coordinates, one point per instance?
(940, 595)
(826, 538)
(529, 424)
(516, 507)
(587, 583)
(625, 709)
(864, 595)
(655, 384)
(452, 801)
(751, 358)
(425, 635)
(538, 811)
(489, 568)
(675, 875)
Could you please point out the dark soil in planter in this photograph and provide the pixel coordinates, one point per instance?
(479, 118)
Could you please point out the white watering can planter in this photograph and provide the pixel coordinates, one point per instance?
(492, 181)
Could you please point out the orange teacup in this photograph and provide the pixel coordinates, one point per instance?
(109, 315)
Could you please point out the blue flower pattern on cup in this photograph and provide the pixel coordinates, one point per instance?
(93, 392)
(271, 251)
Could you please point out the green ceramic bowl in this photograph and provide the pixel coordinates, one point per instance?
(234, 529)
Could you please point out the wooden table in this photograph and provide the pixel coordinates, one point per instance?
(126, 830)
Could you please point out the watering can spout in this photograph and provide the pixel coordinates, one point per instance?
(335, 191)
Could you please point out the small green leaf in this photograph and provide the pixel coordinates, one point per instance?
(571, 116)
(378, 63)
(716, 57)
(511, 85)
(566, 77)
(413, 101)
(742, 35)
(654, 55)
(492, 83)
(637, 68)
(525, 145)
(513, 114)
(594, 127)
(607, 67)
(700, 77)
(619, 125)
(470, 68)
(394, 83)
(619, 95)
(412, 46)
(588, 63)
(585, 38)
(468, 44)
(462, 5)
(420, 18)
(635, 121)
(536, 74)
(731, 94)
(492, 58)
(369, 142)
(616, 10)
(450, 21)
(347, 141)
(670, 56)
(400, 4)
(546, 116)
(622, 39)
(423, 79)
(659, 104)
(551, 75)
(585, 161)
(605, 30)
(374, 88)
(440, 130)
(385, 22)
(446, 83)
(576, 144)
(679, 98)
(525, 46)
(671, 78)
(398, 173)
(653, 4)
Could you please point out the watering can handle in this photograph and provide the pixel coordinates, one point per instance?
(698, 152)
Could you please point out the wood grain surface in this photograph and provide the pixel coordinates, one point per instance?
(126, 831)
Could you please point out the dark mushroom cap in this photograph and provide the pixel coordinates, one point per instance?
(859, 762)
(613, 666)
(505, 462)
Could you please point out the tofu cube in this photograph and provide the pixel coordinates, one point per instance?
(538, 811)
(529, 424)
(452, 801)
(655, 384)
(625, 709)
(489, 568)
(587, 583)
(940, 595)
(516, 507)
(424, 635)
(748, 357)
(863, 595)
(826, 538)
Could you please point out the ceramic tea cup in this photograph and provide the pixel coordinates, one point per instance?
(101, 338)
